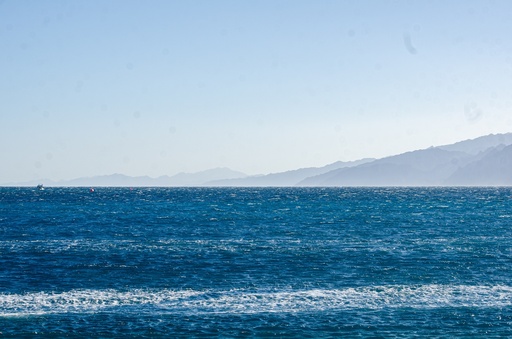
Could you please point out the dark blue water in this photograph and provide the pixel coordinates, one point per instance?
(256, 262)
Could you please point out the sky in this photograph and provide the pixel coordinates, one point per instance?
(161, 87)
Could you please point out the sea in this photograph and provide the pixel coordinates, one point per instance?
(256, 262)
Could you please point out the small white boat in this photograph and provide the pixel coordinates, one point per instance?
(40, 187)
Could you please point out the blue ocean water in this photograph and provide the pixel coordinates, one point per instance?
(256, 262)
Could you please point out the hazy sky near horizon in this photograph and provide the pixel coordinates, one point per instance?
(160, 87)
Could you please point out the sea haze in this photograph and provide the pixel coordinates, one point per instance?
(285, 262)
(484, 161)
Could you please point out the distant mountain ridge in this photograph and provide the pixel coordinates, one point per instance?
(483, 161)
(288, 178)
(493, 169)
(480, 144)
(478, 162)
(121, 180)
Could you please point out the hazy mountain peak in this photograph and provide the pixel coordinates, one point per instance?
(288, 178)
(480, 144)
(473, 159)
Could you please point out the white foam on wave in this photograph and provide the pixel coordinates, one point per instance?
(245, 301)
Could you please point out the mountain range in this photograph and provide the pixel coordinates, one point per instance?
(288, 178)
(121, 180)
(484, 161)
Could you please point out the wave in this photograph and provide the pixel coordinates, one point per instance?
(255, 301)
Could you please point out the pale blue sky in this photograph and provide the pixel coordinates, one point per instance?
(160, 87)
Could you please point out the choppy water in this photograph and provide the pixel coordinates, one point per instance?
(256, 262)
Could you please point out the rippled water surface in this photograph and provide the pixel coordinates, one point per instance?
(256, 262)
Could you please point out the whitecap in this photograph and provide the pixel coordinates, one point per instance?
(242, 301)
